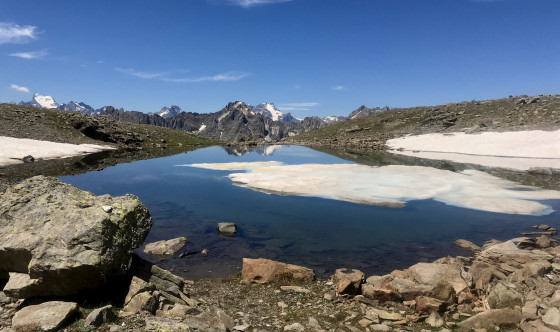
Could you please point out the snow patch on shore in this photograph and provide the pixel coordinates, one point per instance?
(391, 185)
(12, 150)
(520, 150)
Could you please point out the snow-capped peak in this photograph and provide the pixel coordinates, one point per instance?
(39, 100)
(169, 111)
(270, 111)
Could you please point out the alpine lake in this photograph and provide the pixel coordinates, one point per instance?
(392, 212)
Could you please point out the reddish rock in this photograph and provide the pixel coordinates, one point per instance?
(263, 270)
(348, 281)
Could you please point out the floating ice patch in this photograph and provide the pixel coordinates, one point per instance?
(518, 150)
(391, 185)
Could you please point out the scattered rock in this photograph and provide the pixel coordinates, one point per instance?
(107, 208)
(297, 289)
(165, 248)
(434, 320)
(552, 318)
(75, 246)
(426, 305)
(467, 245)
(295, 327)
(348, 281)
(491, 318)
(504, 296)
(227, 229)
(100, 316)
(144, 301)
(47, 316)
(28, 159)
(263, 270)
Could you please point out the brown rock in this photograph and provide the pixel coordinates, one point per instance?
(443, 291)
(491, 318)
(48, 316)
(348, 281)
(263, 270)
(432, 273)
(426, 305)
(529, 310)
(504, 295)
(137, 285)
(544, 241)
(467, 245)
(483, 273)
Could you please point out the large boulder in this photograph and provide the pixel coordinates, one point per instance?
(263, 270)
(59, 240)
(348, 281)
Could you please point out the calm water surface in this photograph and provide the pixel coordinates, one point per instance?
(318, 233)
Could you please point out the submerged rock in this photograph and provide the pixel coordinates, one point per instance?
(227, 229)
(58, 240)
(165, 249)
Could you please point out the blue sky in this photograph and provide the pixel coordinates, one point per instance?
(309, 57)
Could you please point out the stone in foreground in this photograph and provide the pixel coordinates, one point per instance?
(100, 316)
(348, 281)
(165, 249)
(263, 270)
(58, 240)
(48, 316)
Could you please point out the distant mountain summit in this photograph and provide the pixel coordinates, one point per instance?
(329, 120)
(363, 111)
(271, 112)
(80, 108)
(169, 111)
(41, 101)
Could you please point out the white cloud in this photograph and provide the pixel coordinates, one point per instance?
(13, 33)
(19, 88)
(297, 106)
(338, 87)
(229, 76)
(253, 3)
(141, 74)
(30, 55)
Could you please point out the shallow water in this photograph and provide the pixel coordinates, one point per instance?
(319, 233)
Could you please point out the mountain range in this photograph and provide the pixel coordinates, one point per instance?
(236, 122)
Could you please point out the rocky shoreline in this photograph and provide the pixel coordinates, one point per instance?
(58, 273)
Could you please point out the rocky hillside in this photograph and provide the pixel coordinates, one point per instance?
(371, 132)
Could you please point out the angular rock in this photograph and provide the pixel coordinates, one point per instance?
(295, 327)
(348, 281)
(504, 295)
(165, 248)
(263, 270)
(137, 285)
(144, 301)
(432, 273)
(48, 316)
(426, 305)
(552, 318)
(529, 310)
(443, 291)
(60, 236)
(467, 245)
(100, 316)
(201, 322)
(227, 229)
(491, 318)
(380, 327)
(483, 273)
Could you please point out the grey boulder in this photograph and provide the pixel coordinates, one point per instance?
(58, 239)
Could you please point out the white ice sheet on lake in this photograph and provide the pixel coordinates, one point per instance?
(390, 185)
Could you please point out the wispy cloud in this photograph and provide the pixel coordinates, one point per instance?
(19, 88)
(297, 106)
(141, 74)
(339, 87)
(13, 33)
(30, 55)
(229, 76)
(253, 3)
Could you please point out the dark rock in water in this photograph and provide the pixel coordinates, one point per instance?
(227, 229)
(48, 316)
(58, 240)
(28, 159)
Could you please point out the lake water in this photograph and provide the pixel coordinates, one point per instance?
(323, 234)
